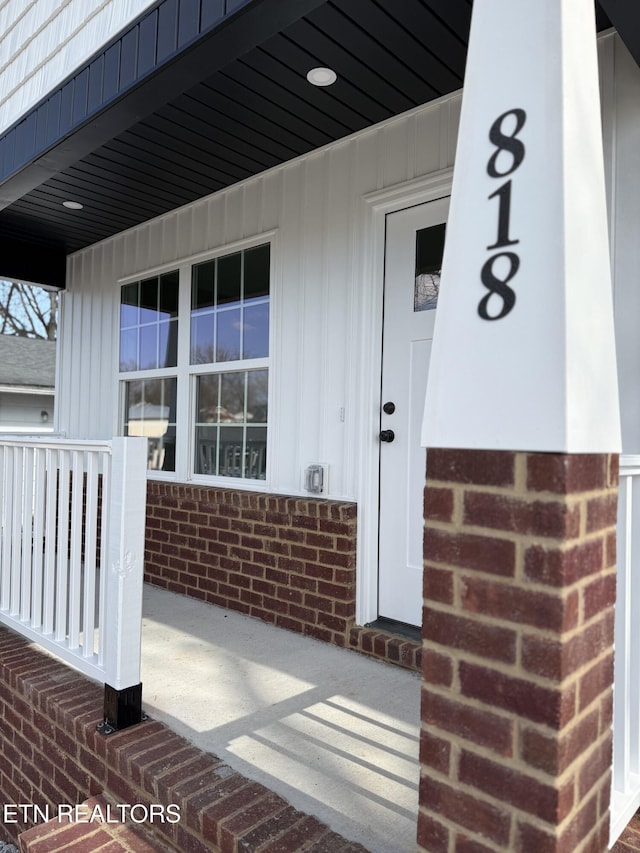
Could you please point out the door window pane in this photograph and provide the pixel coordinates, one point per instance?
(429, 252)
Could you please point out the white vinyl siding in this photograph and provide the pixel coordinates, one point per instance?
(327, 306)
(314, 205)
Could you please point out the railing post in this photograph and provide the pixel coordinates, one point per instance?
(124, 565)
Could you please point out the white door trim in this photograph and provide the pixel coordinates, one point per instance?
(376, 206)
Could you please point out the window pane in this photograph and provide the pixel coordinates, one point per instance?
(208, 403)
(232, 397)
(229, 269)
(149, 300)
(202, 287)
(202, 330)
(169, 294)
(256, 453)
(257, 395)
(231, 451)
(148, 347)
(129, 349)
(149, 323)
(206, 461)
(256, 272)
(237, 401)
(168, 343)
(129, 314)
(150, 410)
(228, 335)
(255, 331)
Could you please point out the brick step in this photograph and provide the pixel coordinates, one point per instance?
(96, 829)
(386, 646)
(629, 841)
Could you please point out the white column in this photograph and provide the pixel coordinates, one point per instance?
(523, 355)
(125, 564)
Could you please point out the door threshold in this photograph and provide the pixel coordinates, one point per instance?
(400, 629)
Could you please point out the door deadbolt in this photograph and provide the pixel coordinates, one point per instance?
(389, 408)
(387, 435)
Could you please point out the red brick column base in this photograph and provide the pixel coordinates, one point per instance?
(519, 588)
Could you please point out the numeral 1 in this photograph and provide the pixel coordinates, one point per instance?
(504, 217)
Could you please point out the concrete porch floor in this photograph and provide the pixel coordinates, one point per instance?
(332, 731)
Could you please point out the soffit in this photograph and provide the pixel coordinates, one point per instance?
(211, 101)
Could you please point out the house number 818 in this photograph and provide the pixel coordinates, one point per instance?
(510, 149)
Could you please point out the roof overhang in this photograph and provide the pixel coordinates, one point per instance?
(197, 95)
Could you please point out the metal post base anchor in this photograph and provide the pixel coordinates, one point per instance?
(122, 708)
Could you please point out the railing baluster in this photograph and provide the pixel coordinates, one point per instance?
(104, 556)
(62, 556)
(16, 532)
(38, 536)
(90, 545)
(75, 548)
(7, 525)
(27, 535)
(48, 603)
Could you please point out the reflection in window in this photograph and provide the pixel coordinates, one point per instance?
(220, 370)
(429, 251)
(150, 410)
(231, 424)
(149, 323)
(230, 307)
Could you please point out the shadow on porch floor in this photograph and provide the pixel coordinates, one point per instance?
(333, 732)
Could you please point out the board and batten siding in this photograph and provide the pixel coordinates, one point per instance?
(327, 294)
(620, 80)
(43, 41)
(314, 205)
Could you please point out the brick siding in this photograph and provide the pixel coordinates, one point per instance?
(288, 561)
(52, 755)
(519, 588)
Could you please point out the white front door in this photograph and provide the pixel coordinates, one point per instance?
(413, 258)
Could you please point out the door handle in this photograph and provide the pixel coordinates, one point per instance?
(389, 408)
(387, 435)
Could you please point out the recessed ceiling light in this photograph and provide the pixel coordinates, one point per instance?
(322, 76)
(73, 205)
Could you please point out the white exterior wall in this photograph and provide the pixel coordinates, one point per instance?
(327, 291)
(22, 411)
(43, 41)
(620, 78)
(322, 302)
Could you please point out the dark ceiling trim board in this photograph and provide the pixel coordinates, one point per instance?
(168, 50)
(21, 261)
(625, 17)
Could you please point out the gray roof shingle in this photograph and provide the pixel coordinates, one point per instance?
(27, 361)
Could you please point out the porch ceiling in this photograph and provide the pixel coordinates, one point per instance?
(199, 94)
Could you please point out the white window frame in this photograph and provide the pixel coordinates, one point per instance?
(187, 373)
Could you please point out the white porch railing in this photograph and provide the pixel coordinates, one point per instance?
(625, 795)
(72, 518)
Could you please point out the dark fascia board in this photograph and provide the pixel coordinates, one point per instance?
(38, 265)
(625, 17)
(169, 49)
